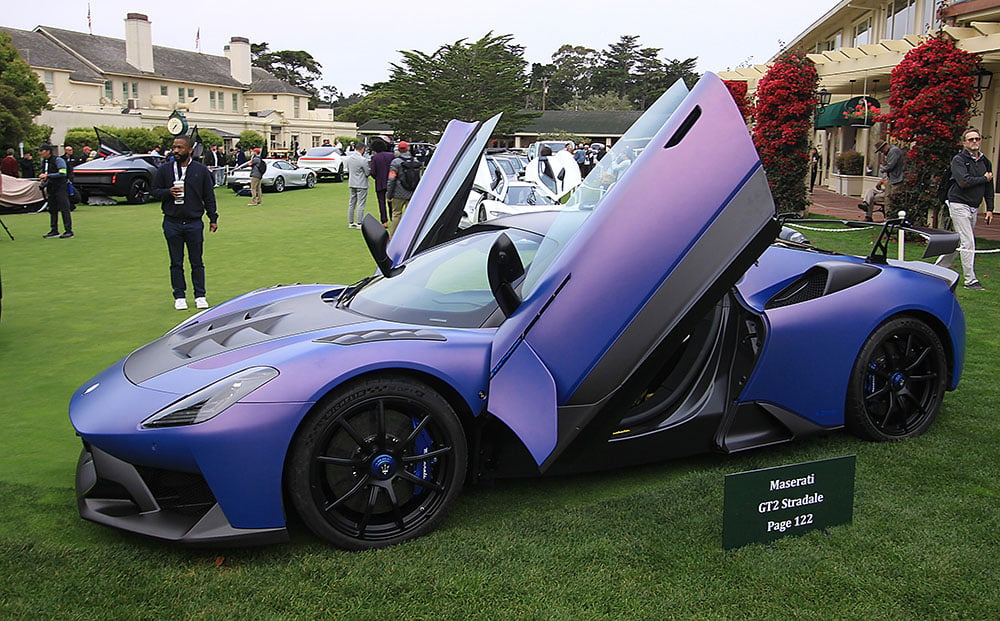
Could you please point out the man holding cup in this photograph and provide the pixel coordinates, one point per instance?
(186, 190)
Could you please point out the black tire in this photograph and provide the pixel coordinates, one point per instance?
(340, 174)
(310, 181)
(898, 382)
(379, 462)
(138, 191)
(481, 214)
(279, 184)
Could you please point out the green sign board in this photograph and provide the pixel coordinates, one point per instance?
(764, 505)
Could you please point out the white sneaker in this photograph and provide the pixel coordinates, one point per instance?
(180, 304)
(200, 303)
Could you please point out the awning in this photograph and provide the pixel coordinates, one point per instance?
(223, 133)
(855, 111)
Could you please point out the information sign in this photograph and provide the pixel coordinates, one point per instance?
(764, 505)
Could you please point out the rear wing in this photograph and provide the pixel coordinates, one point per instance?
(938, 242)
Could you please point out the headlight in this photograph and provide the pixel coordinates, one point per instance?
(211, 400)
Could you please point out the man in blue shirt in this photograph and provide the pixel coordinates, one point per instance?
(186, 190)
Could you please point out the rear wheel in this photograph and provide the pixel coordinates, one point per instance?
(898, 382)
(340, 174)
(310, 180)
(138, 190)
(379, 462)
(279, 184)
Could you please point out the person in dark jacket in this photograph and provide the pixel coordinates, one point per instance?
(53, 181)
(186, 192)
(972, 183)
(398, 196)
(72, 161)
(27, 166)
(379, 165)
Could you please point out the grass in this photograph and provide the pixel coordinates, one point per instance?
(641, 543)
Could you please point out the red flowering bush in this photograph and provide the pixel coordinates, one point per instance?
(786, 101)
(930, 96)
(738, 89)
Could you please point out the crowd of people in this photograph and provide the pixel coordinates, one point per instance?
(185, 187)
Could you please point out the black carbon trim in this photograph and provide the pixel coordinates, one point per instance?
(114, 493)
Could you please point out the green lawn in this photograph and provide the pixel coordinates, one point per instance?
(641, 543)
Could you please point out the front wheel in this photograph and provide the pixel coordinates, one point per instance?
(898, 382)
(379, 462)
(279, 184)
(340, 174)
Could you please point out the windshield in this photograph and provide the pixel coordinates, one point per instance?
(322, 152)
(447, 286)
(526, 195)
(612, 167)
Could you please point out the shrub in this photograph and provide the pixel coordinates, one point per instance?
(738, 89)
(786, 102)
(250, 139)
(850, 163)
(931, 95)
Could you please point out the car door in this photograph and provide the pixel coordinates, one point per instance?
(292, 176)
(439, 201)
(626, 266)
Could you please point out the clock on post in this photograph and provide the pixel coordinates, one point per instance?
(177, 123)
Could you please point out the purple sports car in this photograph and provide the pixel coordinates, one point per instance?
(652, 316)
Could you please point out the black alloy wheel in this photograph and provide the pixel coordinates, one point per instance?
(340, 174)
(380, 461)
(279, 184)
(898, 382)
(138, 191)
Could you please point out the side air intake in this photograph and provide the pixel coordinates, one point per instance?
(822, 279)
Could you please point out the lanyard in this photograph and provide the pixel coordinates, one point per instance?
(181, 172)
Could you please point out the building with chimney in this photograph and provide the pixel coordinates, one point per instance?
(96, 80)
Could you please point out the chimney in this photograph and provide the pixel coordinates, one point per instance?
(238, 53)
(139, 42)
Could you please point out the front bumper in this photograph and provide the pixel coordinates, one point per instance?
(166, 505)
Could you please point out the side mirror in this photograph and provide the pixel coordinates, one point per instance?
(503, 268)
(377, 238)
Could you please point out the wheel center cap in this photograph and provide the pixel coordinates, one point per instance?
(383, 467)
(898, 380)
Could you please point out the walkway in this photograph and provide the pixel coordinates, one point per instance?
(836, 205)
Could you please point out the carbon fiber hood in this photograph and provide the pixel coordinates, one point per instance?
(242, 327)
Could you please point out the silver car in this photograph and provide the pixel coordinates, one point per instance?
(278, 176)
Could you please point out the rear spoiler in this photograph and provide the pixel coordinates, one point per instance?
(938, 242)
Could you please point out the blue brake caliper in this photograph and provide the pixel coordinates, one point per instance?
(421, 446)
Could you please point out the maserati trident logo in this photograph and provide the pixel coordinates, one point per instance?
(383, 467)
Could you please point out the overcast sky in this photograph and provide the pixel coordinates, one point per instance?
(356, 41)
